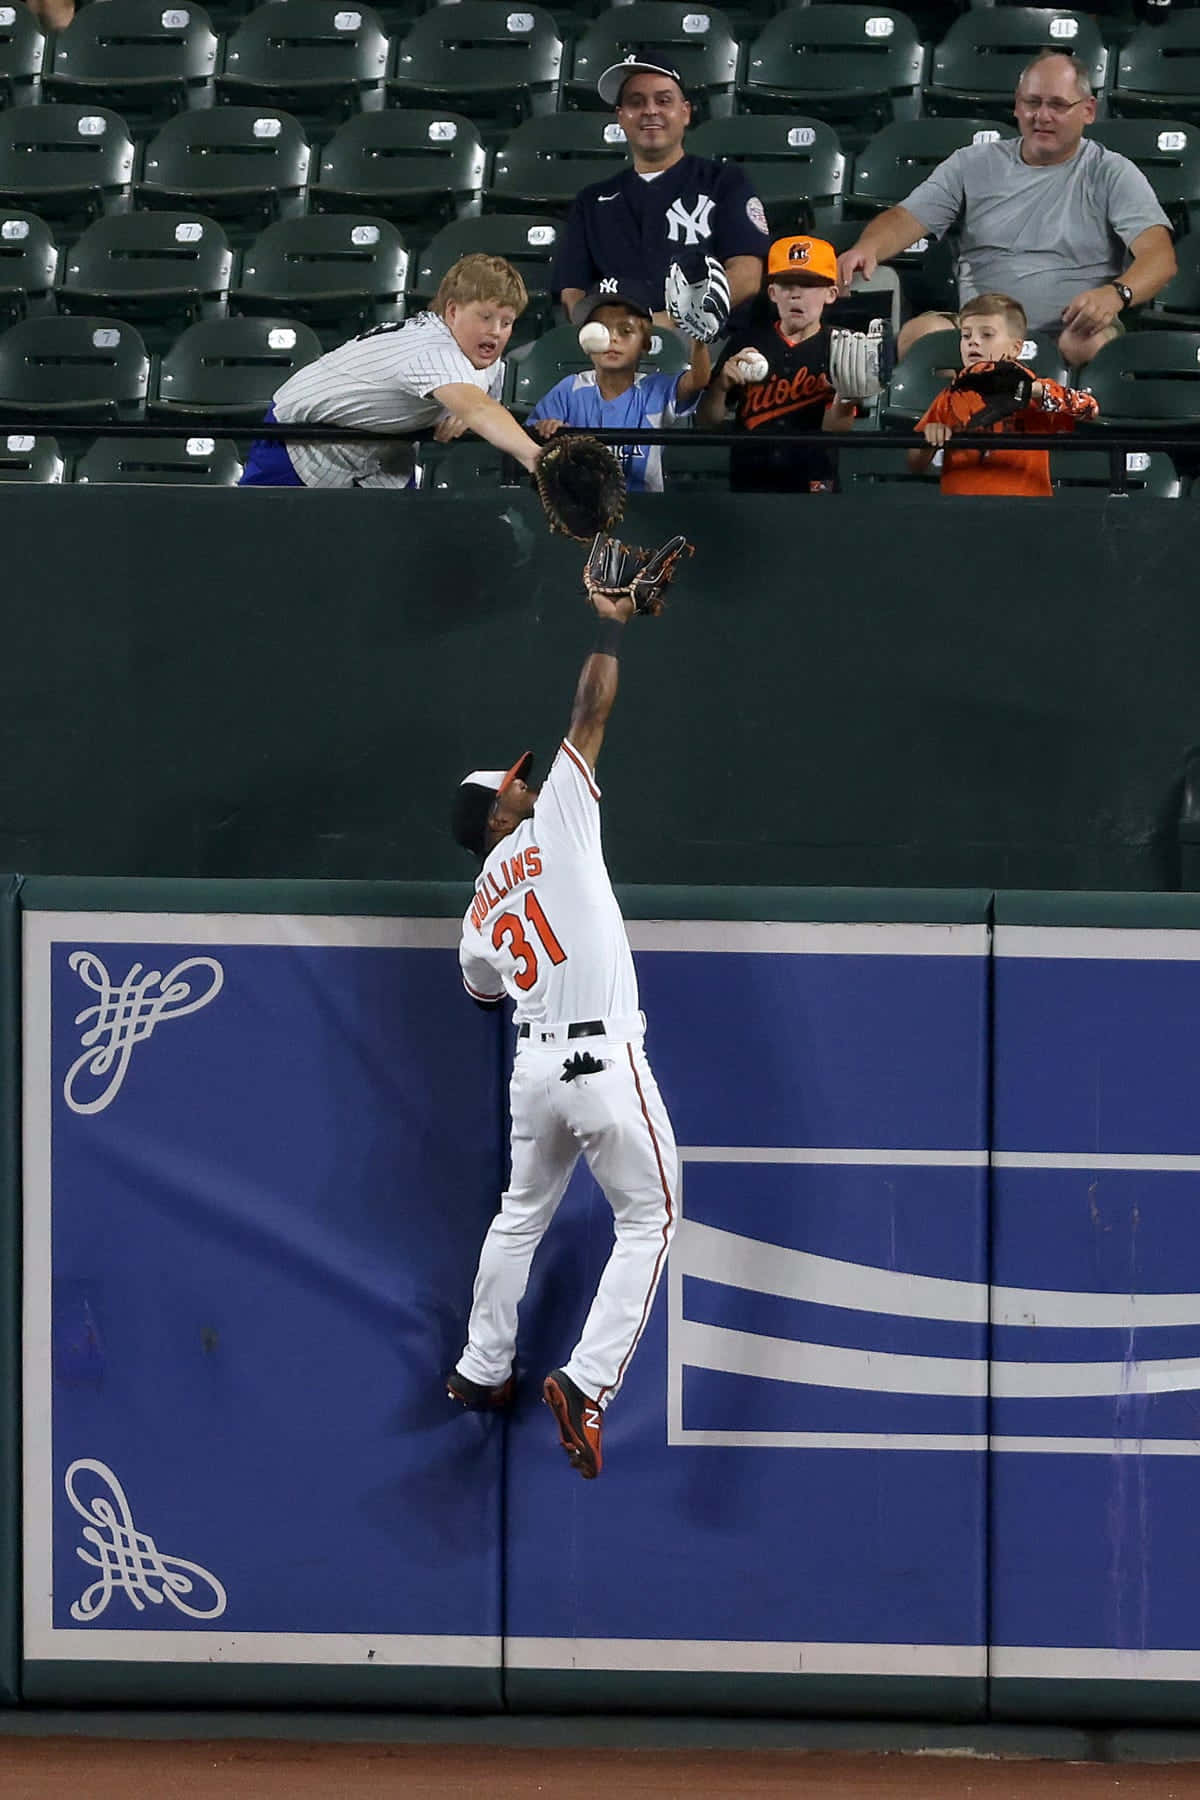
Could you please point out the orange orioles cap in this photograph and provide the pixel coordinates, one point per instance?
(803, 256)
(475, 798)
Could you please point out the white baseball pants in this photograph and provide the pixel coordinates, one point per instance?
(617, 1119)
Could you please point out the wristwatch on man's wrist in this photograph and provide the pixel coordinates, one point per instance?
(1125, 293)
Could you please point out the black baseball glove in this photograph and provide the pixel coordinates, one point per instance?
(1004, 387)
(580, 484)
(645, 575)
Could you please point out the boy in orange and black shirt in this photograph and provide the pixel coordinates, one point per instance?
(996, 392)
(794, 392)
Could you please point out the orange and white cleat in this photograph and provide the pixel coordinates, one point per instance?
(579, 1420)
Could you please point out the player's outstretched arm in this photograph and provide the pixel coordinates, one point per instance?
(485, 416)
(597, 687)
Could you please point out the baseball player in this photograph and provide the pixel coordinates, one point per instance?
(544, 929)
(435, 375)
(668, 205)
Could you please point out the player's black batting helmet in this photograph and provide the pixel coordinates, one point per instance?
(475, 798)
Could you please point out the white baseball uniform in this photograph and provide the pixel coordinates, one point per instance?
(544, 927)
(381, 381)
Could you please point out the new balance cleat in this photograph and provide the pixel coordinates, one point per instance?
(579, 1420)
(475, 1397)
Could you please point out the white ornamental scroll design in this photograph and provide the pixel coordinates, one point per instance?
(127, 1013)
(130, 1559)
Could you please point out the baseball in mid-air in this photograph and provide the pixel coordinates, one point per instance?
(754, 365)
(593, 338)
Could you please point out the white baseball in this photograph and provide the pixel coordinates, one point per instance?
(593, 338)
(754, 365)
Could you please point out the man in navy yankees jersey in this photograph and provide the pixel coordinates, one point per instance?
(544, 929)
(633, 226)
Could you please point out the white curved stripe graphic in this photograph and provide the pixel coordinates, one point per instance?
(886, 1372)
(762, 1268)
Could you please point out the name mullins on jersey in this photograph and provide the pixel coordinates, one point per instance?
(526, 865)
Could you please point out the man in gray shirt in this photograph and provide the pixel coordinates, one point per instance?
(1071, 230)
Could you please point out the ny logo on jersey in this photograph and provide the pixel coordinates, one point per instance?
(692, 226)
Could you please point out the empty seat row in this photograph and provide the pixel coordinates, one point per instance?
(322, 60)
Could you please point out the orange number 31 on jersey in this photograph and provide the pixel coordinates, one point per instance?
(509, 930)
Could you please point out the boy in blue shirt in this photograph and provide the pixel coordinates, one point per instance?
(614, 393)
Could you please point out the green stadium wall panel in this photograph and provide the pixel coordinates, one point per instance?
(10, 1313)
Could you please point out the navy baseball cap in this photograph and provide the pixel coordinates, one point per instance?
(613, 290)
(613, 79)
(476, 796)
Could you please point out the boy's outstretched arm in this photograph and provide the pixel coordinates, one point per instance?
(697, 375)
(485, 416)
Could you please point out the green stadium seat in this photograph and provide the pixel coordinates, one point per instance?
(161, 462)
(527, 240)
(338, 272)
(534, 369)
(464, 466)
(144, 60)
(898, 158)
(544, 162)
(82, 369)
(230, 368)
(29, 260)
(155, 270)
(1177, 307)
(495, 63)
(698, 42)
(316, 59)
(242, 165)
(977, 64)
(1167, 151)
(404, 165)
(860, 66)
(22, 56)
(1147, 379)
(66, 163)
(690, 468)
(885, 472)
(1087, 475)
(797, 166)
(1158, 70)
(28, 458)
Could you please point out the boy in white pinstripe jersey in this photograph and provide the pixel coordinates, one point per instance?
(439, 373)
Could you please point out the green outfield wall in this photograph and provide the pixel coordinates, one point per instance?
(287, 684)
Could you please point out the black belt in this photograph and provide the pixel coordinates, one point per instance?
(581, 1028)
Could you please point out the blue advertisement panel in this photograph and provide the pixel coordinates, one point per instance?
(1095, 1570)
(259, 1155)
(791, 1512)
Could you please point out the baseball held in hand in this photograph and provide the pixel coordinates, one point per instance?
(754, 365)
(594, 338)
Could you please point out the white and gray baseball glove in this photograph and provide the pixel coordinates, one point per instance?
(700, 308)
(860, 362)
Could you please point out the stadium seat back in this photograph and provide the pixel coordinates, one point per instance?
(885, 472)
(977, 64)
(1167, 151)
(1147, 379)
(898, 158)
(161, 462)
(29, 260)
(83, 368)
(1177, 306)
(1088, 475)
(463, 467)
(535, 369)
(544, 162)
(700, 43)
(237, 164)
(67, 163)
(317, 59)
(27, 458)
(790, 161)
(858, 64)
(144, 59)
(231, 367)
(149, 268)
(527, 240)
(342, 269)
(22, 55)
(414, 163)
(499, 61)
(1158, 69)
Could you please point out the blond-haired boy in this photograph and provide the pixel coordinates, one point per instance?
(437, 374)
(992, 334)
